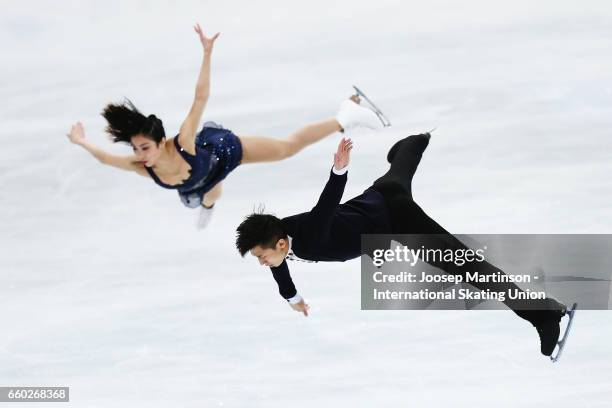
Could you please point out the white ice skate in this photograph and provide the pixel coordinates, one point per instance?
(205, 216)
(352, 115)
(359, 94)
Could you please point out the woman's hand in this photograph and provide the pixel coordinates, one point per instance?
(343, 154)
(77, 133)
(207, 42)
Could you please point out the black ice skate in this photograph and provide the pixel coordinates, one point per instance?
(571, 312)
(549, 330)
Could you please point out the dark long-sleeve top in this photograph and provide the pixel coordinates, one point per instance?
(331, 232)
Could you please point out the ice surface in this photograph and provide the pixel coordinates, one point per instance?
(107, 287)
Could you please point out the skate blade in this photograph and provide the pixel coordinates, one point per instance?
(384, 120)
(561, 343)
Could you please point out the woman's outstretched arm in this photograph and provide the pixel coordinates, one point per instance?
(129, 163)
(190, 125)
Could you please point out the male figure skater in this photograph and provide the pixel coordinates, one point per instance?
(332, 232)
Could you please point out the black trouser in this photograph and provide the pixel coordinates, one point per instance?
(408, 218)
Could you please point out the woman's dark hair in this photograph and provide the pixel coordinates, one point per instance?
(125, 121)
(259, 229)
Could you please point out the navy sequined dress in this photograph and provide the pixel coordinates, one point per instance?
(218, 151)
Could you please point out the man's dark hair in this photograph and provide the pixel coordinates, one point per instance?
(125, 121)
(259, 229)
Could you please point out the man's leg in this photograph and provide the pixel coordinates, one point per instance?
(429, 234)
(404, 157)
(408, 218)
(543, 314)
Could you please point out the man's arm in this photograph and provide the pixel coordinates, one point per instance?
(322, 213)
(286, 288)
(325, 208)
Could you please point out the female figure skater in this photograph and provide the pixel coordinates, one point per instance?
(195, 162)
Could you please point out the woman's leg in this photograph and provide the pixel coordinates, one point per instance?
(257, 149)
(212, 196)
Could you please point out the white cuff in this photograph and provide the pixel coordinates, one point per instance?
(341, 171)
(295, 300)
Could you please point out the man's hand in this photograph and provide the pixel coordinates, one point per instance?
(343, 154)
(207, 42)
(301, 307)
